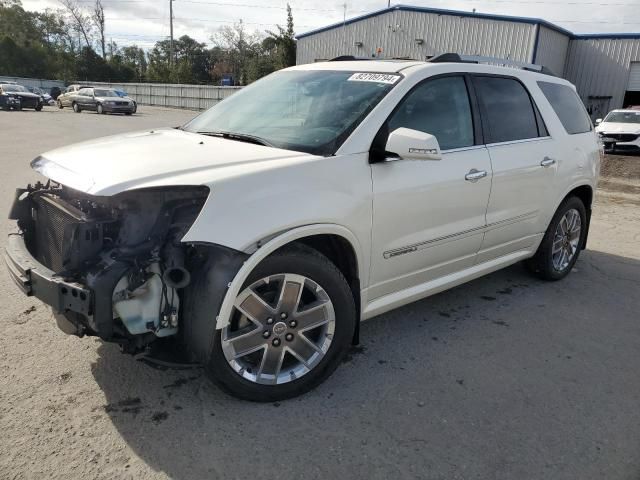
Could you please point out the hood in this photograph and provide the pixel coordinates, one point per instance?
(614, 127)
(24, 94)
(167, 157)
(113, 99)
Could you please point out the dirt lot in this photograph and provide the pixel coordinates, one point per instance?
(506, 377)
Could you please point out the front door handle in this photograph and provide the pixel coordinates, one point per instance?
(547, 162)
(475, 175)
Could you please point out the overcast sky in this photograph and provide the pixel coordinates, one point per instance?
(146, 21)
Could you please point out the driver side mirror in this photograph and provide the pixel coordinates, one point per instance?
(408, 144)
(598, 121)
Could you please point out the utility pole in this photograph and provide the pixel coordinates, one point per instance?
(171, 32)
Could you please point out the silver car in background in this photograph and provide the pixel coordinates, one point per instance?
(101, 100)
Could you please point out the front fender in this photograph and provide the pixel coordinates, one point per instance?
(222, 320)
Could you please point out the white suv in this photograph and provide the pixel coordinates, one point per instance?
(620, 130)
(261, 233)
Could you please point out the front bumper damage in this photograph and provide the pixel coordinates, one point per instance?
(34, 279)
(619, 142)
(107, 266)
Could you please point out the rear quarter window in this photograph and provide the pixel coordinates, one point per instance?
(568, 107)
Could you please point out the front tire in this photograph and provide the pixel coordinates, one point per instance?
(560, 247)
(76, 107)
(38, 108)
(292, 324)
(100, 109)
(60, 106)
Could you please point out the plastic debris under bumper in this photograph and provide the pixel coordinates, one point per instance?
(34, 279)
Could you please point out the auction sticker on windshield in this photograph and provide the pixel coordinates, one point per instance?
(374, 77)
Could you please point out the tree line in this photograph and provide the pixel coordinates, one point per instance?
(70, 44)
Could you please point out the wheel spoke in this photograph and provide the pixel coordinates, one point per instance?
(303, 349)
(271, 362)
(557, 245)
(254, 307)
(247, 343)
(312, 317)
(289, 295)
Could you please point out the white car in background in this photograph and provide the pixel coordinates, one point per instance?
(262, 232)
(620, 130)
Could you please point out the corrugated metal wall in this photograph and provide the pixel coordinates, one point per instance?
(396, 33)
(552, 49)
(194, 97)
(599, 68)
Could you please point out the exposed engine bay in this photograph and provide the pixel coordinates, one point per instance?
(120, 258)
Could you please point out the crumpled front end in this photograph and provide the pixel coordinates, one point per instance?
(112, 267)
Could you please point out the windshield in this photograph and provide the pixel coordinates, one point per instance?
(104, 93)
(14, 88)
(306, 111)
(623, 117)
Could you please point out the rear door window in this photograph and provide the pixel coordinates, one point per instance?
(508, 110)
(565, 102)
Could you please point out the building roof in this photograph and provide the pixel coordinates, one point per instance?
(459, 13)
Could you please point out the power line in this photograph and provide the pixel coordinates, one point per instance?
(225, 21)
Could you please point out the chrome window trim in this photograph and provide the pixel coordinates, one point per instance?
(516, 142)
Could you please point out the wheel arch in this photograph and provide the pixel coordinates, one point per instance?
(336, 242)
(585, 193)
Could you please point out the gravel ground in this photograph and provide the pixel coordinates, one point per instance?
(506, 377)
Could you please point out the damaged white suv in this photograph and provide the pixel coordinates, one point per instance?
(261, 233)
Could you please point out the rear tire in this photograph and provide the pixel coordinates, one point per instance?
(560, 247)
(38, 108)
(319, 323)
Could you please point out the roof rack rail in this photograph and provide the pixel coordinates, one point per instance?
(349, 58)
(457, 58)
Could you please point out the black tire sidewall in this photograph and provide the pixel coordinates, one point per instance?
(544, 260)
(320, 270)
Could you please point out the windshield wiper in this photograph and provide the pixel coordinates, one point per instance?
(241, 137)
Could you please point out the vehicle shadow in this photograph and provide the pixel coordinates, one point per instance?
(471, 380)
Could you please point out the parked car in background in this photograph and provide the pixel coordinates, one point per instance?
(620, 130)
(123, 94)
(46, 98)
(17, 97)
(55, 92)
(8, 101)
(64, 99)
(101, 100)
(263, 231)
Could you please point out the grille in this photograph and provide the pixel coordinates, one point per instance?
(122, 104)
(622, 137)
(53, 229)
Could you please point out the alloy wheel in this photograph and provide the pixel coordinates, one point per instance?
(566, 239)
(282, 327)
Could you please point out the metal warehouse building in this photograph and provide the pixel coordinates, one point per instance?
(605, 67)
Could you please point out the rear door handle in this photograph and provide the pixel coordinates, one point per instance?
(475, 175)
(547, 162)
